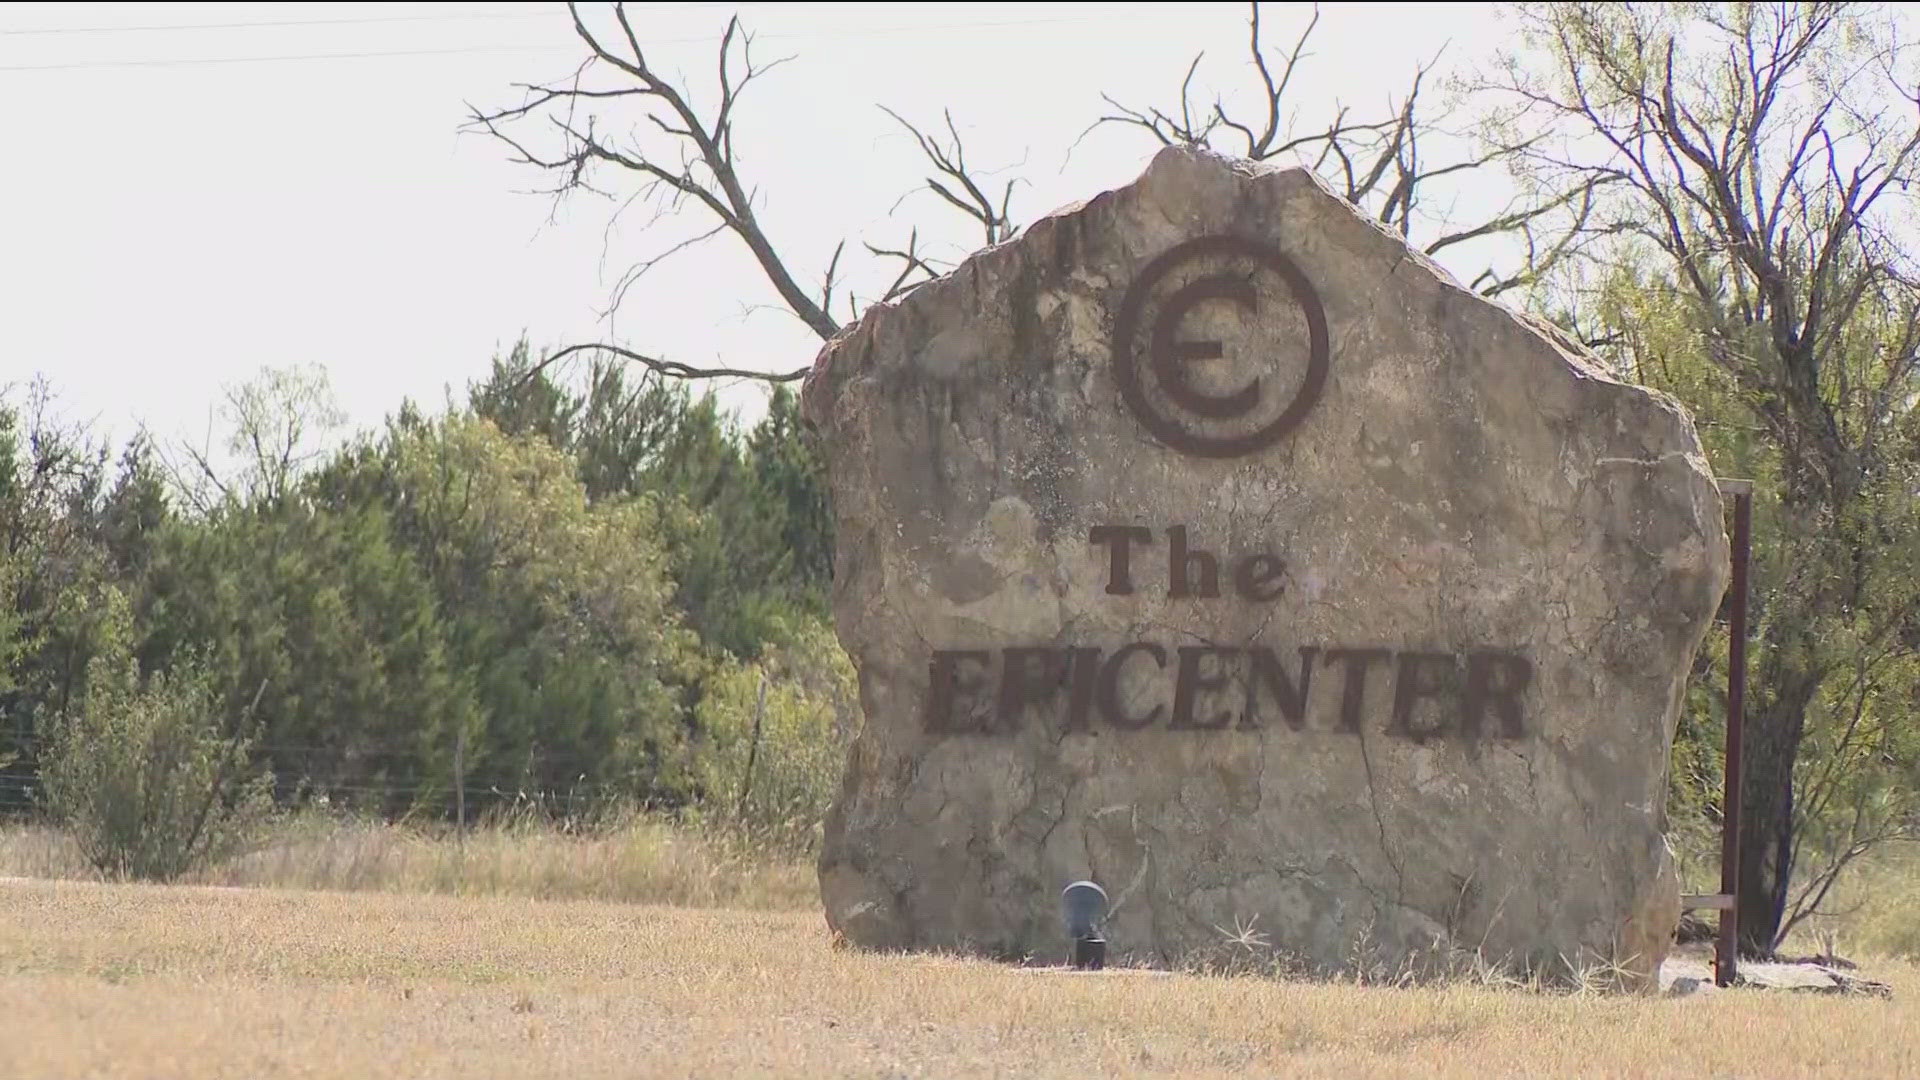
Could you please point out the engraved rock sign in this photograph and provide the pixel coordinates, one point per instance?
(1207, 542)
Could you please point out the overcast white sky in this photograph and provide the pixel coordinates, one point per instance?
(184, 203)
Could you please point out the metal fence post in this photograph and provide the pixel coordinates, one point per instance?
(1726, 952)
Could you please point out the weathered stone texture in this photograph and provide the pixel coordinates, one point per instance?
(1468, 484)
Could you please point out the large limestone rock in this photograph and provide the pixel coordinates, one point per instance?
(1208, 542)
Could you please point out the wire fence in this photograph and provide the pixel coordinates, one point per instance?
(386, 777)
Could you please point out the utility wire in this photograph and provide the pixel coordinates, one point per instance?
(570, 47)
(378, 20)
(284, 59)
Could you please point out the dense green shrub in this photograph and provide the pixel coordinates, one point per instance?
(774, 736)
(145, 779)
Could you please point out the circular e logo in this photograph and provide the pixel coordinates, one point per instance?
(1158, 377)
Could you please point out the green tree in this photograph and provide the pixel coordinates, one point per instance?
(744, 518)
(1755, 163)
(556, 610)
(58, 576)
(790, 493)
(442, 592)
(143, 774)
(325, 610)
(524, 402)
(774, 735)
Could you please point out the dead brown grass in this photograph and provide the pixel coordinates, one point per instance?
(633, 859)
(147, 981)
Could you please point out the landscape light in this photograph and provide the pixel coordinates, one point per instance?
(1083, 905)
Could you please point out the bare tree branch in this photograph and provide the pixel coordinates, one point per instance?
(1377, 163)
(950, 162)
(1168, 130)
(698, 163)
(912, 263)
(671, 368)
(680, 157)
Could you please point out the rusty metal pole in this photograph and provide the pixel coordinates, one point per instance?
(1726, 953)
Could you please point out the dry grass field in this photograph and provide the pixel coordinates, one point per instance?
(633, 859)
(107, 980)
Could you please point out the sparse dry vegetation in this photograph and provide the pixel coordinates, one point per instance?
(628, 859)
(177, 981)
(1874, 912)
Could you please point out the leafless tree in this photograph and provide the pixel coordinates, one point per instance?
(274, 426)
(679, 156)
(1379, 162)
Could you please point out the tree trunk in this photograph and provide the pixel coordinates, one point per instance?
(1770, 744)
(1785, 681)
(1766, 825)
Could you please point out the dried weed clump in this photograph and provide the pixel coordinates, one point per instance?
(1245, 951)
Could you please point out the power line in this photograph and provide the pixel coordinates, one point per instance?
(285, 59)
(378, 20)
(863, 32)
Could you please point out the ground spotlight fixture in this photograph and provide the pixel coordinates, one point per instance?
(1083, 905)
